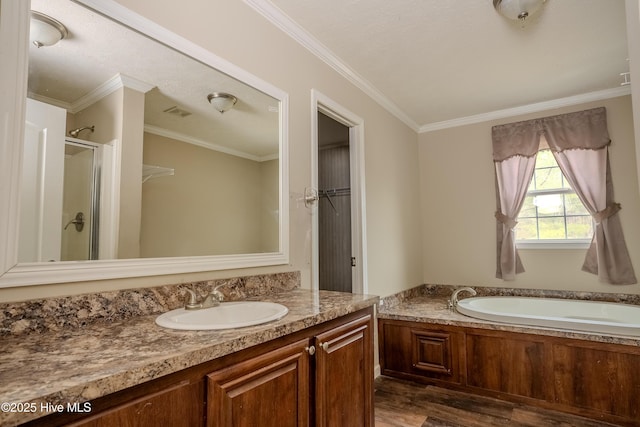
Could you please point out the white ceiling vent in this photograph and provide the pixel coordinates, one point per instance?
(177, 111)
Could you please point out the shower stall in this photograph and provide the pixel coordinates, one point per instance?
(80, 201)
(69, 190)
(60, 189)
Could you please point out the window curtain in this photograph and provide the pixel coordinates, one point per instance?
(579, 142)
(514, 149)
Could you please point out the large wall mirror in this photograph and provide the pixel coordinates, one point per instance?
(142, 154)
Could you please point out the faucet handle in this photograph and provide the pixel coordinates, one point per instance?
(219, 295)
(216, 293)
(192, 301)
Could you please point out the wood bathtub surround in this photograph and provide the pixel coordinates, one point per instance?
(599, 380)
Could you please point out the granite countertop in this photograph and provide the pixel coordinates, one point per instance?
(79, 364)
(433, 309)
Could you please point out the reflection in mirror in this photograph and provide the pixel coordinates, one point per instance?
(120, 128)
(80, 201)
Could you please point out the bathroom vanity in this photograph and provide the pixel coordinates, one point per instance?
(313, 367)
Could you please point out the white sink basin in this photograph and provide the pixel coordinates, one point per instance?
(227, 315)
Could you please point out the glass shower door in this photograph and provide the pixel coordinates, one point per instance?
(80, 202)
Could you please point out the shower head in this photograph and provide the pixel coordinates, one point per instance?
(74, 133)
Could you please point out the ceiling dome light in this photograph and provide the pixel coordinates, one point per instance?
(45, 31)
(222, 101)
(517, 9)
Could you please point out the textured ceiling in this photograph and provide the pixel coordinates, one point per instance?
(97, 49)
(434, 61)
(439, 60)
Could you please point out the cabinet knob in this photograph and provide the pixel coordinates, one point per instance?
(311, 350)
(325, 346)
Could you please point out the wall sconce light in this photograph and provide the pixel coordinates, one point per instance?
(45, 31)
(222, 101)
(517, 9)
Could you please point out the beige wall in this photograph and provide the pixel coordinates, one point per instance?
(131, 173)
(246, 39)
(458, 203)
(212, 205)
(269, 200)
(119, 116)
(632, 9)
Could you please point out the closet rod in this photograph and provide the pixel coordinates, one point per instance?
(344, 191)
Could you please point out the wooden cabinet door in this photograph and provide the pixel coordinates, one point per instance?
(344, 375)
(270, 390)
(181, 406)
(425, 353)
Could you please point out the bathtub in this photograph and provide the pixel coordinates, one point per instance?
(589, 316)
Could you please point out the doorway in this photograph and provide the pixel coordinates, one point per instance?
(338, 249)
(334, 206)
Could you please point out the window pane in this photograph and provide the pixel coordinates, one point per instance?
(574, 205)
(549, 204)
(528, 208)
(553, 213)
(579, 227)
(545, 159)
(551, 228)
(548, 178)
(527, 229)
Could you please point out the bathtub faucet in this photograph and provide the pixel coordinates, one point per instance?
(453, 301)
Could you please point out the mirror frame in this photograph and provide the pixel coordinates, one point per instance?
(14, 33)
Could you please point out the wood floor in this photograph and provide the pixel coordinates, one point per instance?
(404, 404)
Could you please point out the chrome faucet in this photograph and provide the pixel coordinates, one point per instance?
(213, 299)
(453, 301)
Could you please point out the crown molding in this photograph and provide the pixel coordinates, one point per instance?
(107, 88)
(205, 144)
(530, 108)
(278, 18)
(114, 83)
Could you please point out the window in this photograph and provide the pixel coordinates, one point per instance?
(552, 212)
(580, 141)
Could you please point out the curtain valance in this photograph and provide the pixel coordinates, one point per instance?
(583, 129)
